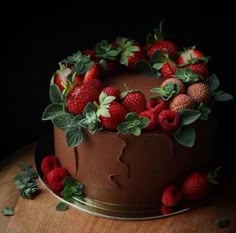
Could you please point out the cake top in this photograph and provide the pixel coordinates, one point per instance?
(126, 87)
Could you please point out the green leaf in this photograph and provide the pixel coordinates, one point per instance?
(14, 231)
(223, 222)
(62, 206)
(144, 67)
(185, 136)
(133, 124)
(63, 121)
(188, 116)
(52, 111)
(30, 190)
(25, 167)
(222, 96)
(55, 94)
(76, 121)
(157, 66)
(213, 82)
(205, 111)
(157, 57)
(74, 136)
(8, 211)
(186, 75)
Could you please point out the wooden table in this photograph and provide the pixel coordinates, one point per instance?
(39, 215)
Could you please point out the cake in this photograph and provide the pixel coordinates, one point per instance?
(134, 126)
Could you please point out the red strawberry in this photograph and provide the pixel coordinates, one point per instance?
(91, 53)
(94, 83)
(168, 69)
(188, 55)
(169, 120)
(55, 178)
(112, 91)
(60, 77)
(78, 79)
(153, 119)
(164, 46)
(200, 69)
(171, 196)
(79, 97)
(137, 56)
(156, 105)
(195, 186)
(135, 101)
(48, 163)
(109, 67)
(117, 114)
(92, 73)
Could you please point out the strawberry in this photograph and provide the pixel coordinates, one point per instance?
(168, 69)
(48, 163)
(137, 56)
(156, 105)
(195, 186)
(60, 77)
(131, 52)
(92, 73)
(169, 120)
(112, 91)
(109, 67)
(171, 196)
(153, 119)
(55, 178)
(190, 56)
(94, 83)
(117, 113)
(200, 69)
(79, 97)
(164, 46)
(134, 101)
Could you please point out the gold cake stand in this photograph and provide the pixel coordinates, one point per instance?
(98, 208)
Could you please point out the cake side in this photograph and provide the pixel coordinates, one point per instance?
(130, 170)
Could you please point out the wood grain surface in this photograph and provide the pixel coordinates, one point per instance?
(39, 215)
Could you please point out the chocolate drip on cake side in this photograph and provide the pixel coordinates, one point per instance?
(76, 156)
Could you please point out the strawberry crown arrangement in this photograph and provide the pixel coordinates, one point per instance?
(81, 102)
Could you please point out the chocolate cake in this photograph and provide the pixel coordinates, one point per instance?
(132, 123)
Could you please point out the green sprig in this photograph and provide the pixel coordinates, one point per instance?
(187, 76)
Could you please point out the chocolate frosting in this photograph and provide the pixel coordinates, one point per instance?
(133, 170)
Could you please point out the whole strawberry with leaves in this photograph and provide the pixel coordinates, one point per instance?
(79, 97)
(131, 52)
(134, 100)
(157, 42)
(110, 112)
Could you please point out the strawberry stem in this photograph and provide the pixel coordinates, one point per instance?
(126, 87)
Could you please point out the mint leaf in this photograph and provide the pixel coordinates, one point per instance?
(188, 116)
(105, 50)
(213, 82)
(55, 94)
(133, 124)
(185, 136)
(8, 211)
(62, 206)
(75, 122)
(205, 111)
(63, 121)
(157, 66)
(52, 111)
(222, 96)
(74, 136)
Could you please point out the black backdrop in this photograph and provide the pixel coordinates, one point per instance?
(35, 42)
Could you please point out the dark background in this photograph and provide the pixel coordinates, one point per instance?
(36, 42)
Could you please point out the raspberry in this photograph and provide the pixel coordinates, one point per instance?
(156, 105)
(171, 196)
(169, 120)
(153, 119)
(48, 163)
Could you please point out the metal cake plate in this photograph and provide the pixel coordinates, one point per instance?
(97, 208)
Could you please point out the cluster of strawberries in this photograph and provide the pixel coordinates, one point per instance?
(195, 187)
(53, 172)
